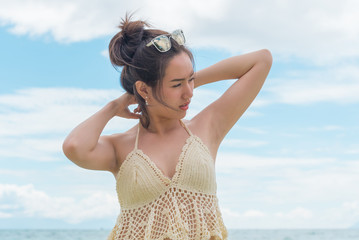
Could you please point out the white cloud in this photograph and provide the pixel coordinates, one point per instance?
(229, 212)
(38, 149)
(65, 21)
(352, 207)
(292, 218)
(27, 201)
(320, 31)
(303, 92)
(254, 130)
(287, 180)
(353, 149)
(239, 160)
(296, 213)
(254, 214)
(34, 122)
(339, 84)
(290, 192)
(253, 218)
(45, 110)
(4, 215)
(326, 128)
(58, 110)
(241, 143)
(14, 173)
(105, 53)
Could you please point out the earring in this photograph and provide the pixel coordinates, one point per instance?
(146, 101)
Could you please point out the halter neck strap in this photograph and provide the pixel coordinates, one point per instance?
(185, 127)
(138, 132)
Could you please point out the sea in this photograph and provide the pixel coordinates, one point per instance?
(234, 234)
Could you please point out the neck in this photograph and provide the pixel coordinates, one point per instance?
(162, 126)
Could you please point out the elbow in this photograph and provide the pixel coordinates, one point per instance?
(69, 148)
(267, 57)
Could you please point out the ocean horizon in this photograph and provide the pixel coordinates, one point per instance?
(234, 234)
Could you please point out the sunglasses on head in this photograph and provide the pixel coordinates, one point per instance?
(163, 42)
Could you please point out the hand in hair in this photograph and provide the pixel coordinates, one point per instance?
(122, 104)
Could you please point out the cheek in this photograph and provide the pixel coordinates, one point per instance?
(171, 95)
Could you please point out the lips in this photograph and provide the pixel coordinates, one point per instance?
(184, 106)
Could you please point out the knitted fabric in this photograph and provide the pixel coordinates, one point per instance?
(155, 207)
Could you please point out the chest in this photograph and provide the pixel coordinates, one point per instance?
(140, 180)
(164, 153)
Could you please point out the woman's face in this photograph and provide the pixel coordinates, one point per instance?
(177, 88)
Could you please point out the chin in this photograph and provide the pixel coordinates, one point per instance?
(182, 115)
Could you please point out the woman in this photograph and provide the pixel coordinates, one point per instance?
(164, 166)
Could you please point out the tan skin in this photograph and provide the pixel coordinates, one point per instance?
(87, 148)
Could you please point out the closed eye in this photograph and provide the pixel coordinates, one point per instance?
(179, 84)
(181, 80)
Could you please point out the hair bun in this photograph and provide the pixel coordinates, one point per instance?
(123, 45)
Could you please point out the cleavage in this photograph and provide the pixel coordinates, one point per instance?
(164, 154)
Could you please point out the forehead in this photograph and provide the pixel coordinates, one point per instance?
(180, 66)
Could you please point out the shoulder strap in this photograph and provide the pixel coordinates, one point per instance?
(138, 131)
(185, 127)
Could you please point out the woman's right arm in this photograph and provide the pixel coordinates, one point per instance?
(86, 147)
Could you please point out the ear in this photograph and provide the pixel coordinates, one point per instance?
(143, 89)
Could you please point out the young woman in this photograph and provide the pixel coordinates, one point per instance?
(164, 166)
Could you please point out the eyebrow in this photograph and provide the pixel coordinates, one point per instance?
(181, 79)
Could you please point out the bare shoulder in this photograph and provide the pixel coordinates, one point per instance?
(201, 127)
(123, 144)
(197, 126)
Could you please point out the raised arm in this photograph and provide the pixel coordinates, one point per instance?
(84, 145)
(251, 70)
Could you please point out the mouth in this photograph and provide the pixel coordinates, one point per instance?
(184, 106)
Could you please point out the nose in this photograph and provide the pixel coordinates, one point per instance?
(188, 90)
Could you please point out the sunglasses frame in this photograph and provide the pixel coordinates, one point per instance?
(166, 37)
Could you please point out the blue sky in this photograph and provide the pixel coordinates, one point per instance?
(291, 161)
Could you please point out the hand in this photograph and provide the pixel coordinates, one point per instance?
(122, 103)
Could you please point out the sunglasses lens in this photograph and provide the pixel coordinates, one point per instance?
(179, 37)
(162, 43)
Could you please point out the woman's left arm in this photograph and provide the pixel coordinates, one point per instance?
(251, 70)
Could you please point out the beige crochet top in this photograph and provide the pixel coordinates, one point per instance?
(155, 207)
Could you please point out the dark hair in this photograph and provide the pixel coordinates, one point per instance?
(128, 49)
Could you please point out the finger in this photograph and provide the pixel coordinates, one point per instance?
(128, 114)
(137, 110)
(134, 116)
